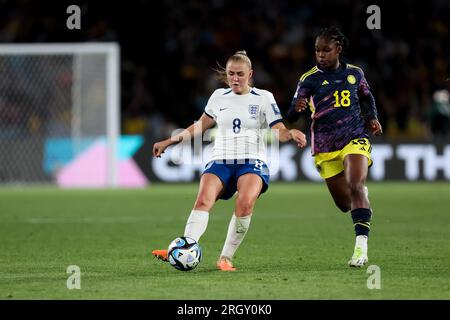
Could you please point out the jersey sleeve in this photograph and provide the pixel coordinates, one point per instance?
(368, 106)
(271, 110)
(211, 106)
(303, 91)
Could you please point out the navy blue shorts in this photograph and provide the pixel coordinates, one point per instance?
(228, 171)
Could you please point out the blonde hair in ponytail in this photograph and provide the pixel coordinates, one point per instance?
(239, 56)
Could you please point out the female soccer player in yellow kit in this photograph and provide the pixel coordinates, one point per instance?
(340, 129)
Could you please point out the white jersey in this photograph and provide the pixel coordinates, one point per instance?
(242, 122)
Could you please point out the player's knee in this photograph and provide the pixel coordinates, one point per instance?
(357, 189)
(244, 206)
(204, 203)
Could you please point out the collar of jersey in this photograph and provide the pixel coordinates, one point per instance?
(342, 67)
(242, 95)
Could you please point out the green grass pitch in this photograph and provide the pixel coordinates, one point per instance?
(297, 247)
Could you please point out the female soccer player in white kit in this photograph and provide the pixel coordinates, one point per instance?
(238, 161)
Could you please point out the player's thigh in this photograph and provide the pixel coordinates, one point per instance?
(338, 187)
(249, 187)
(356, 168)
(357, 159)
(210, 188)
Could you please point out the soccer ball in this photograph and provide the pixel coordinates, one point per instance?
(184, 253)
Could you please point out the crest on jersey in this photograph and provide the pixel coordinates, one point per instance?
(351, 79)
(275, 109)
(253, 109)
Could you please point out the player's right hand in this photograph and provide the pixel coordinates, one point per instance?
(375, 127)
(158, 148)
(299, 137)
(301, 104)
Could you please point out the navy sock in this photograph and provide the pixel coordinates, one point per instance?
(361, 221)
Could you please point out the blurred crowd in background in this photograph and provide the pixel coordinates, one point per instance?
(170, 48)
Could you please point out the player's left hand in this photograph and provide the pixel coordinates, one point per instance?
(299, 137)
(159, 147)
(375, 127)
(301, 104)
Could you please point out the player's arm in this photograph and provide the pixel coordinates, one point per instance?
(275, 121)
(368, 106)
(204, 123)
(285, 134)
(299, 101)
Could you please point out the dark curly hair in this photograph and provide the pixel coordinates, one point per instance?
(333, 33)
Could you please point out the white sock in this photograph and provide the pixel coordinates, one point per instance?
(361, 241)
(237, 229)
(196, 224)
